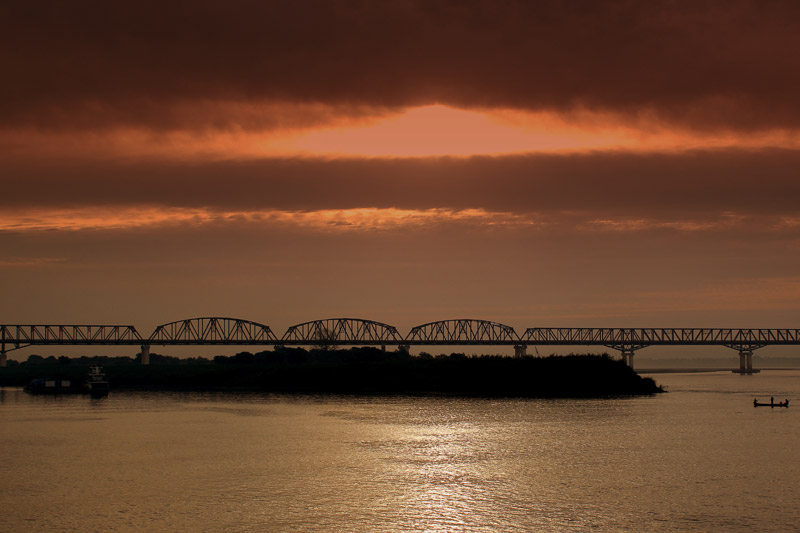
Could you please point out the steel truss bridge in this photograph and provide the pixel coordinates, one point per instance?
(331, 332)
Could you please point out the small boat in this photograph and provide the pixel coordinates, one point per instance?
(96, 384)
(771, 403)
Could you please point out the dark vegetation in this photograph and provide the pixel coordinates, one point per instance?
(356, 371)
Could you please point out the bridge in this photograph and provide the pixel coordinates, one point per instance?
(330, 332)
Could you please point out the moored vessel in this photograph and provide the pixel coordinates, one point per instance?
(54, 386)
(95, 384)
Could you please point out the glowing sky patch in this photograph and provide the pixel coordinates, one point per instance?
(427, 131)
(439, 130)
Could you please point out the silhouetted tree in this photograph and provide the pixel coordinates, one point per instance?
(244, 358)
(324, 339)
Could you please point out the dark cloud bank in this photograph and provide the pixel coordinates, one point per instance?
(704, 64)
(669, 185)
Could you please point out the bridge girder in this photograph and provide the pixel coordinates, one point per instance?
(341, 331)
(354, 331)
(641, 337)
(462, 331)
(212, 330)
(22, 335)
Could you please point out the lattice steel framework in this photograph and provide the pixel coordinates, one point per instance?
(342, 331)
(462, 331)
(20, 336)
(354, 331)
(212, 330)
(739, 339)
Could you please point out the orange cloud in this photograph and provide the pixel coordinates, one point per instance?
(371, 218)
(27, 262)
(725, 221)
(427, 131)
(439, 130)
(326, 219)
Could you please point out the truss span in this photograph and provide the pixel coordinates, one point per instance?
(212, 330)
(462, 331)
(342, 331)
(19, 335)
(640, 337)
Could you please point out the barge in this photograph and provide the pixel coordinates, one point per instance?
(95, 384)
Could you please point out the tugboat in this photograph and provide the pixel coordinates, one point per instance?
(96, 384)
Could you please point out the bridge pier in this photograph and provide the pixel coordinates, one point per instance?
(3, 359)
(745, 362)
(145, 354)
(404, 348)
(520, 350)
(627, 355)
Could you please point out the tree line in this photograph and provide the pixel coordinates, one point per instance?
(278, 356)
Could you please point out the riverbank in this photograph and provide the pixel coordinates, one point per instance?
(360, 372)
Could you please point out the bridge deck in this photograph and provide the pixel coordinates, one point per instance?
(357, 332)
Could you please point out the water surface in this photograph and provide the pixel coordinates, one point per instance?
(699, 458)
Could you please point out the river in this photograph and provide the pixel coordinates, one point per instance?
(699, 458)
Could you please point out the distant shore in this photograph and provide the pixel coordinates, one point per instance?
(681, 370)
(701, 370)
(370, 371)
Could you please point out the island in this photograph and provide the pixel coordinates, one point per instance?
(360, 370)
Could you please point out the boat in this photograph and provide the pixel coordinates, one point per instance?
(95, 384)
(54, 386)
(771, 403)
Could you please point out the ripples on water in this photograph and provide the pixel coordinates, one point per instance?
(699, 458)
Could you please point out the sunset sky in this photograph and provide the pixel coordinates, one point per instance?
(625, 164)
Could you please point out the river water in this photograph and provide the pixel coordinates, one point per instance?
(700, 458)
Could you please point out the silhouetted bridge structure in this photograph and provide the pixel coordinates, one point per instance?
(223, 331)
